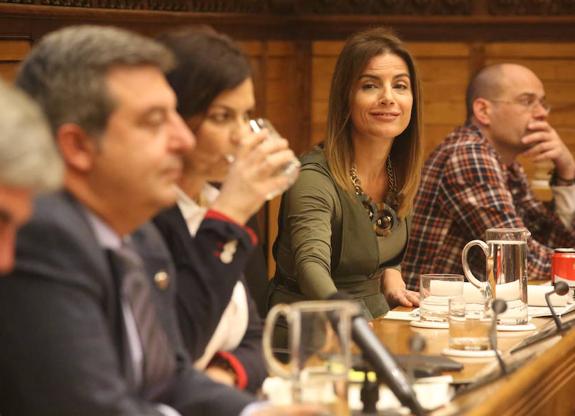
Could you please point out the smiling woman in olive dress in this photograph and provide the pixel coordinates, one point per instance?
(344, 225)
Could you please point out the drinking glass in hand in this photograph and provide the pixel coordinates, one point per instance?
(291, 169)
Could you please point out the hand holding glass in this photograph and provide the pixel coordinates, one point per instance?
(291, 169)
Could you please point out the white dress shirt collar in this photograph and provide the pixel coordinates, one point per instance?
(192, 212)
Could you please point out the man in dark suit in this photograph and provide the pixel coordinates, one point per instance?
(29, 163)
(72, 336)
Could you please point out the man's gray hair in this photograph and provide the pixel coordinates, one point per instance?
(28, 155)
(66, 72)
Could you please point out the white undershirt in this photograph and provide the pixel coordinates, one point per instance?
(564, 197)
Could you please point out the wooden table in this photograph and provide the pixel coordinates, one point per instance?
(543, 385)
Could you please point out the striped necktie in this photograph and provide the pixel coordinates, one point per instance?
(159, 360)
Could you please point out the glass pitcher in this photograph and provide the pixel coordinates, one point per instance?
(319, 347)
(506, 270)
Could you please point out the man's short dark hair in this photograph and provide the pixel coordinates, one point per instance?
(66, 72)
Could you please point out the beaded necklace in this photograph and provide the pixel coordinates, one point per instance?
(381, 215)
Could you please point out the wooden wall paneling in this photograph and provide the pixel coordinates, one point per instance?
(287, 107)
(323, 59)
(444, 74)
(302, 111)
(281, 97)
(12, 51)
(8, 71)
(255, 51)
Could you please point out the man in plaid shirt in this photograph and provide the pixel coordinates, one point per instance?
(472, 182)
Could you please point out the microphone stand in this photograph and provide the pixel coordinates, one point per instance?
(370, 389)
(561, 288)
(369, 394)
(498, 306)
(383, 362)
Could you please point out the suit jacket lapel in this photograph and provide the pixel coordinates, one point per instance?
(111, 280)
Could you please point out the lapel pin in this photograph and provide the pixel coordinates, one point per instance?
(162, 279)
(228, 251)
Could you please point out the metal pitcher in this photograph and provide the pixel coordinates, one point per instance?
(506, 270)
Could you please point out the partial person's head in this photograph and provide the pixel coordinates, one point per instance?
(375, 73)
(213, 84)
(114, 118)
(29, 163)
(502, 100)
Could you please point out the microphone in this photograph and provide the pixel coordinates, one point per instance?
(416, 345)
(561, 288)
(381, 360)
(498, 306)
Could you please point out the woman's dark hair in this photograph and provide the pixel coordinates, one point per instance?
(207, 63)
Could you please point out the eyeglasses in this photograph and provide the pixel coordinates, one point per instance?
(528, 102)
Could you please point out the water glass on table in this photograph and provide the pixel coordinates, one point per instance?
(470, 325)
(435, 290)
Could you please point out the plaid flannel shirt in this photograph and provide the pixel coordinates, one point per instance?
(465, 190)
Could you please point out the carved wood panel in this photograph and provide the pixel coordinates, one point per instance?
(206, 6)
(531, 7)
(328, 7)
(387, 7)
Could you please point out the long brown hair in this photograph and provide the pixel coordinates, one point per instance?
(406, 151)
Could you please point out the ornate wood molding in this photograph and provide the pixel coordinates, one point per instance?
(328, 7)
(387, 7)
(531, 7)
(199, 6)
(415, 20)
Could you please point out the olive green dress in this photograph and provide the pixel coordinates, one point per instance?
(327, 243)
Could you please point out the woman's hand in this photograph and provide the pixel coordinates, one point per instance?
(253, 176)
(395, 291)
(402, 297)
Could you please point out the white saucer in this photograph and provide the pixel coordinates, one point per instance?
(468, 354)
(527, 327)
(429, 324)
